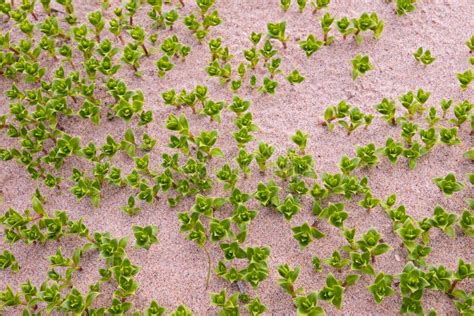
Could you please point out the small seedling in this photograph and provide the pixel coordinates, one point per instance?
(310, 45)
(448, 185)
(326, 22)
(145, 236)
(470, 44)
(295, 77)
(465, 78)
(405, 6)
(424, 56)
(332, 292)
(277, 31)
(305, 234)
(381, 287)
(360, 66)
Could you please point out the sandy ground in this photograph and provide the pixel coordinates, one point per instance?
(173, 271)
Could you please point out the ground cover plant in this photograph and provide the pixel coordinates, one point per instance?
(164, 157)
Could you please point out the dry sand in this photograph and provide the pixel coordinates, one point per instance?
(173, 271)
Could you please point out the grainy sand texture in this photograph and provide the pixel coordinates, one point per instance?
(173, 271)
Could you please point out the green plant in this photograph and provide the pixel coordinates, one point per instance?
(66, 81)
(461, 112)
(8, 261)
(368, 155)
(412, 284)
(326, 22)
(405, 6)
(256, 308)
(288, 278)
(295, 77)
(371, 242)
(335, 214)
(310, 45)
(466, 222)
(424, 56)
(381, 287)
(319, 4)
(269, 86)
(145, 236)
(308, 305)
(387, 108)
(392, 150)
(448, 185)
(332, 292)
(263, 154)
(414, 103)
(360, 66)
(305, 234)
(285, 4)
(444, 221)
(277, 31)
(448, 136)
(465, 78)
(364, 23)
(164, 65)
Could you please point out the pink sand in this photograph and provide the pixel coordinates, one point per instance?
(173, 271)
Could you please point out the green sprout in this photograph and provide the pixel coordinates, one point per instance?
(465, 78)
(332, 292)
(405, 6)
(381, 287)
(444, 221)
(369, 202)
(8, 261)
(319, 4)
(449, 136)
(285, 4)
(424, 56)
(300, 139)
(295, 77)
(364, 23)
(360, 66)
(448, 185)
(277, 31)
(305, 234)
(256, 308)
(387, 108)
(288, 278)
(308, 305)
(145, 236)
(326, 22)
(310, 45)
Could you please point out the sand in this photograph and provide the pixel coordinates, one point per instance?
(173, 271)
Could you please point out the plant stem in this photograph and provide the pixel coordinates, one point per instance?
(121, 39)
(453, 286)
(36, 218)
(72, 64)
(14, 50)
(292, 291)
(208, 278)
(145, 50)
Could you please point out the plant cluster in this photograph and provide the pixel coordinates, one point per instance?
(59, 65)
